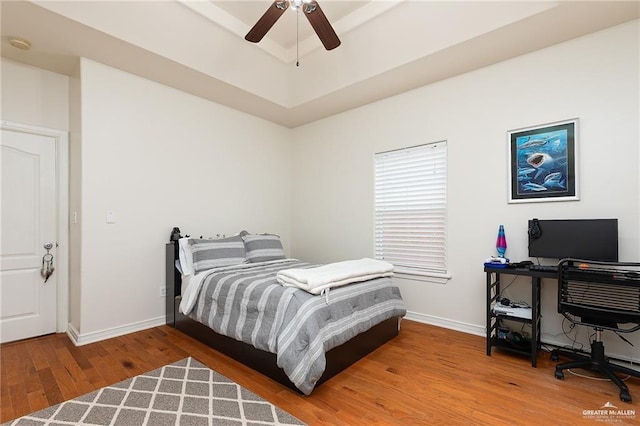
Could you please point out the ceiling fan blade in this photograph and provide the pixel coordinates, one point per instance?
(267, 20)
(321, 25)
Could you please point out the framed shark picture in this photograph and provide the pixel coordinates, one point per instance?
(543, 162)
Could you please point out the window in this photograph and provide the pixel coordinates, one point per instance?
(410, 206)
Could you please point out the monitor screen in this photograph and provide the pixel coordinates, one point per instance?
(588, 239)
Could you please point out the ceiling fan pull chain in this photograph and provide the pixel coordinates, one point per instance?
(297, 36)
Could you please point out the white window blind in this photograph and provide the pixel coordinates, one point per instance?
(410, 208)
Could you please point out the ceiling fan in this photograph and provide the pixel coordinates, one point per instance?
(311, 10)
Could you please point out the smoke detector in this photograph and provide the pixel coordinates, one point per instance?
(20, 43)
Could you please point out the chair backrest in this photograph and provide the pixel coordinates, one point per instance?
(600, 294)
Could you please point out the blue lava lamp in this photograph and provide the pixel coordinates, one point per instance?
(501, 243)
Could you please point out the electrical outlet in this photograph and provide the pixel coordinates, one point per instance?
(163, 292)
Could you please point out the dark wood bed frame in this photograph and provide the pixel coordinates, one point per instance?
(264, 362)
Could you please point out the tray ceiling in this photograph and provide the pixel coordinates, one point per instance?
(388, 47)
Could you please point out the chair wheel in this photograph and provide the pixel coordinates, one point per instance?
(554, 356)
(560, 376)
(625, 397)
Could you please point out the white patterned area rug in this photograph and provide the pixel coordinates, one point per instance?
(185, 393)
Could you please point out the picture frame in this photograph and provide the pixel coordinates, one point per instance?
(543, 162)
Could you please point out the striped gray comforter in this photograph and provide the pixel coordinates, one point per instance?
(248, 304)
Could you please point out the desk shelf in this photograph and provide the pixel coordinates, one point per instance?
(493, 319)
(512, 318)
(508, 346)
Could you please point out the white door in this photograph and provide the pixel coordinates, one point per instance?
(28, 305)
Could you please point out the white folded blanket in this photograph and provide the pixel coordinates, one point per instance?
(316, 280)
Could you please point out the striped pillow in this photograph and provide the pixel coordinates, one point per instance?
(263, 247)
(209, 254)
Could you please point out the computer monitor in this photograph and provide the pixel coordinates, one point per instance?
(589, 239)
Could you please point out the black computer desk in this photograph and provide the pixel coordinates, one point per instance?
(493, 291)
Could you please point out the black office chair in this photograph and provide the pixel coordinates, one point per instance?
(604, 296)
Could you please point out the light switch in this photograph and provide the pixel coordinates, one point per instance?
(111, 217)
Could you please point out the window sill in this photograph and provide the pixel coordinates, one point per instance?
(422, 276)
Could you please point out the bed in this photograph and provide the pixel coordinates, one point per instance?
(302, 343)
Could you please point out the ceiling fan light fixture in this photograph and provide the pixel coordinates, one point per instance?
(297, 4)
(312, 12)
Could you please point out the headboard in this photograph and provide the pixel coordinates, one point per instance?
(172, 255)
(173, 281)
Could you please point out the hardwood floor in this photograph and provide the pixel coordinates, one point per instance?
(425, 376)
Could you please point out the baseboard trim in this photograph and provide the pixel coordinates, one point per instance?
(72, 333)
(447, 323)
(80, 339)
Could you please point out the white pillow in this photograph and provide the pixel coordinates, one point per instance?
(186, 256)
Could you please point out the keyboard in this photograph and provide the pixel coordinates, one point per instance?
(544, 268)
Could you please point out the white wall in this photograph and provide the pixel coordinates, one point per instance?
(34, 96)
(594, 78)
(75, 199)
(159, 158)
